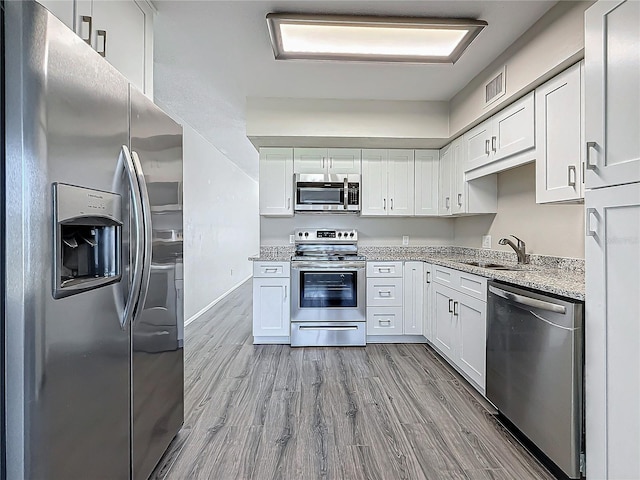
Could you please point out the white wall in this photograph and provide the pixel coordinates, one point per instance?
(552, 44)
(221, 224)
(371, 231)
(547, 229)
(297, 122)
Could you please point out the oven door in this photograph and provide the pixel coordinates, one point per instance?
(327, 291)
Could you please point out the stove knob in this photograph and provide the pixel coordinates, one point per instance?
(299, 234)
(351, 234)
(339, 234)
(306, 234)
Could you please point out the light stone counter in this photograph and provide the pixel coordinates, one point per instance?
(555, 275)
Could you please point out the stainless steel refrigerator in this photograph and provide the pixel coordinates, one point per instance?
(92, 277)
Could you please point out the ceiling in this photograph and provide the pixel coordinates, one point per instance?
(211, 55)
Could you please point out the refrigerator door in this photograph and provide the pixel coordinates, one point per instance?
(68, 359)
(157, 330)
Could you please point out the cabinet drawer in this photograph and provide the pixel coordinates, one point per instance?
(384, 269)
(271, 269)
(468, 283)
(473, 285)
(384, 292)
(384, 321)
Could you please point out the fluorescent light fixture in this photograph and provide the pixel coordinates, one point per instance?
(370, 39)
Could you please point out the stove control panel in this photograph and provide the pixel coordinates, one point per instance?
(325, 235)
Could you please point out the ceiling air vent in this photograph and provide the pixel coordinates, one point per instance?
(495, 88)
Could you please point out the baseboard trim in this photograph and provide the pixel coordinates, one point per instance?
(216, 301)
(396, 339)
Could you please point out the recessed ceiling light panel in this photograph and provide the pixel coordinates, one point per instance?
(377, 39)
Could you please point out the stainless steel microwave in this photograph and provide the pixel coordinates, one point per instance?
(327, 193)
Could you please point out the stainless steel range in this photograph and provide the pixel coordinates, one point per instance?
(328, 289)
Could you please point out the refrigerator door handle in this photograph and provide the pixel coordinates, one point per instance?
(147, 232)
(136, 199)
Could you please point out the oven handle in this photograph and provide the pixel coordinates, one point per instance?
(528, 301)
(329, 265)
(333, 329)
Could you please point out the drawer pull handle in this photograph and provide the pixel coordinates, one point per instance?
(590, 146)
(388, 322)
(385, 293)
(451, 305)
(486, 146)
(428, 277)
(384, 270)
(494, 143)
(455, 308)
(271, 270)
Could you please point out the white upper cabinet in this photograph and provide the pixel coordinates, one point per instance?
(459, 196)
(427, 164)
(387, 182)
(400, 182)
(444, 184)
(612, 92)
(122, 32)
(501, 141)
(559, 142)
(327, 160)
(63, 9)
(276, 182)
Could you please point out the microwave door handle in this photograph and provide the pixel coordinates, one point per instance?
(346, 193)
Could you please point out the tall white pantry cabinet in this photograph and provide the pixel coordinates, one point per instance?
(612, 245)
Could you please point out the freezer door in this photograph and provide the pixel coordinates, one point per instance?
(157, 371)
(68, 359)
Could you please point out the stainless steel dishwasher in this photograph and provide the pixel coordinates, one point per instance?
(535, 365)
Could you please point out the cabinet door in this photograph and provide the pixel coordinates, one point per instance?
(344, 160)
(310, 160)
(271, 307)
(426, 182)
(413, 298)
(276, 181)
(443, 326)
(612, 331)
(559, 144)
(612, 92)
(513, 129)
(427, 309)
(471, 319)
(119, 35)
(444, 201)
(374, 182)
(400, 182)
(63, 9)
(458, 184)
(477, 146)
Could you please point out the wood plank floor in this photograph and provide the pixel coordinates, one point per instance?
(378, 412)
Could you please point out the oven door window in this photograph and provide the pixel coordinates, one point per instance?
(315, 195)
(328, 289)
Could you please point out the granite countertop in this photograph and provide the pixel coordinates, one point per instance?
(555, 275)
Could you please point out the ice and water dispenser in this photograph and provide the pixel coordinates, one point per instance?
(88, 231)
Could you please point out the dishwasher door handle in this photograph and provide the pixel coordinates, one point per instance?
(528, 301)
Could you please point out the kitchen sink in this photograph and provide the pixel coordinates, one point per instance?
(494, 266)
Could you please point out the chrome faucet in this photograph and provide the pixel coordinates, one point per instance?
(520, 248)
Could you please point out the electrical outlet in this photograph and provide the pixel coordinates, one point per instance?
(290, 238)
(486, 241)
(405, 239)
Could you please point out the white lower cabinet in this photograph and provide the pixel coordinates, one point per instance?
(427, 302)
(271, 302)
(395, 298)
(459, 325)
(384, 298)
